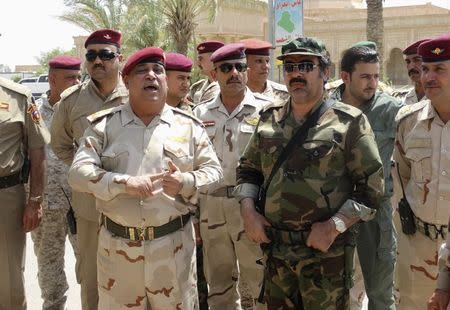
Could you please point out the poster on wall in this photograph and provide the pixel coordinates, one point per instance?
(288, 15)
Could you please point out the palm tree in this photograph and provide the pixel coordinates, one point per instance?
(181, 16)
(375, 26)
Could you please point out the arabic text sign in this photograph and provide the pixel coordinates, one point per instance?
(288, 20)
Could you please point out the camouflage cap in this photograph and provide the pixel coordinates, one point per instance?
(369, 44)
(303, 46)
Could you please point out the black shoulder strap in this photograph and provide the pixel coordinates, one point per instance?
(297, 139)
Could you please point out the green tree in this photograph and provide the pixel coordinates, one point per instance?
(375, 27)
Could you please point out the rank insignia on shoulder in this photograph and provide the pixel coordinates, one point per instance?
(4, 106)
(209, 123)
(34, 113)
(252, 120)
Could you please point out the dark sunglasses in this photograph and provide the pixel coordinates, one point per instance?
(303, 67)
(227, 67)
(103, 55)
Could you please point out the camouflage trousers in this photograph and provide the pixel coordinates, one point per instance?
(301, 278)
(49, 246)
(416, 269)
(156, 274)
(228, 253)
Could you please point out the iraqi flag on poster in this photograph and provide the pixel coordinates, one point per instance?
(288, 22)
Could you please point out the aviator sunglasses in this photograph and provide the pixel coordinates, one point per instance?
(303, 67)
(102, 54)
(227, 67)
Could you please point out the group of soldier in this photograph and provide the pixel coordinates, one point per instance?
(173, 195)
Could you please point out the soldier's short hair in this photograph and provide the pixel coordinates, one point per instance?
(357, 54)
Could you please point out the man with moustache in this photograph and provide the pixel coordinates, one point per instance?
(376, 243)
(50, 237)
(205, 89)
(330, 178)
(178, 72)
(423, 159)
(258, 61)
(414, 66)
(230, 120)
(103, 90)
(144, 162)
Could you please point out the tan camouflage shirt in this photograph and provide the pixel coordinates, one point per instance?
(277, 92)
(118, 145)
(203, 91)
(443, 281)
(411, 97)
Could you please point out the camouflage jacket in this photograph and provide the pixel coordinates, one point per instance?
(203, 91)
(380, 111)
(277, 92)
(338, 162)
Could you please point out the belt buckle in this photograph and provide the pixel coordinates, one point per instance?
(230, 190)
(150, 232)
(131, 233)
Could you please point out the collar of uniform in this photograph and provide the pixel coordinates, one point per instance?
(286, 110)
(427, 112)
(129, 116)
(249, 99)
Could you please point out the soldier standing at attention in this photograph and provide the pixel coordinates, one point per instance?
(127, 158)
(327, 179)
(376, 243)
(50, 237)
(423, 141)
(258, 61)
(206, 89)
(414, 66)
(103, 90)
(178, 71)
(230, 120)
(22, 140)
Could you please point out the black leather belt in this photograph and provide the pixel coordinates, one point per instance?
(226, 191)
(432, 231)
(297, 237)
(145, 233)
(11, 180)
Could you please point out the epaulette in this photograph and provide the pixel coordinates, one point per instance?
(262, 97)
(410, 109)
(385, 88)
(197, 83)
(69, 91)
(100, 114)
(179, 111)
(347, 109)
(16, 87)
(270, 107)
(204, 102)
(278, 86)
(333, 84)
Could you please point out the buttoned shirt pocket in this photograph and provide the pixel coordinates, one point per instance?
(245, 132)
(115, 159)
(419, 152)
(179, 154)
(324, 159)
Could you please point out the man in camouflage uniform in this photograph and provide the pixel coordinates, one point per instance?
(23, 134)
(258, 61)
(178, 71)
(376, 246)
(205, 89)
(441, 296)
(50, 237)
(102, 91)
(414, 66)
(230, 119)
(312, 199)
(423, 158)
(144, 163)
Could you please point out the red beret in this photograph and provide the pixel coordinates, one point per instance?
(209, 46)
(148, 54)
(412, 49)
(257, 47)
(65, 62)
(437, 49)
(178, 62)
(104, 36)
(229, 52)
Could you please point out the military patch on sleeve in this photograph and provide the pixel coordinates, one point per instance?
(4, 106)
(34, 113)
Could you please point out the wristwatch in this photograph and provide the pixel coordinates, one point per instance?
(36, 199)
(340, 225)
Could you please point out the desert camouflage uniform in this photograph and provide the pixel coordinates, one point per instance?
(423, 157)
(277, 92)
(338, 162)
(225, 243)
(411, 97)
(50, 237)
(186, 106)
(159, 272)
(376, 242)
(20, 130)
(68, 126)
(443, 282)
(203, 91)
